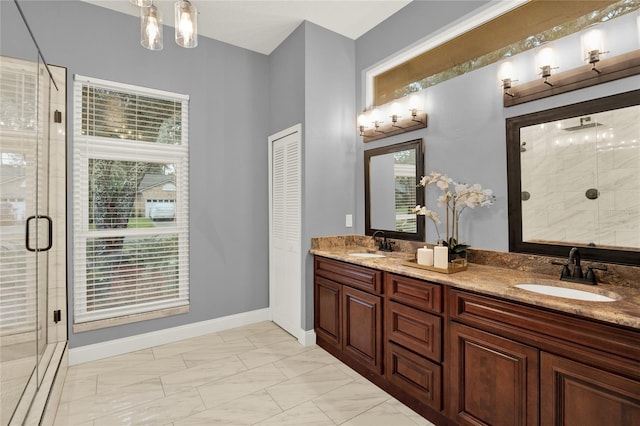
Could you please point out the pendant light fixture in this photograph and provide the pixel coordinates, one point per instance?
(141, 3)
(151, 28)
(186, 24)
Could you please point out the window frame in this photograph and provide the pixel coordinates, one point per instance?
(87, 147)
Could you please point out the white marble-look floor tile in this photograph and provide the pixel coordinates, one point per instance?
(79, 387)
(415, 417)
(111, 364)
(203, 356)
(194, 344)
(380, 415)
(308, 386)
(247, 330)
(351, 400)
(307, 414)
(157, 412)
(271, 353)
(239, 385)
(88, 409)
(110, 382)
(252, 375)
(270, 337)
(248, 410)
(305, 362)
(156, 367)
(201, 374)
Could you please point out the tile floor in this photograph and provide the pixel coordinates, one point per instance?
(252, 375)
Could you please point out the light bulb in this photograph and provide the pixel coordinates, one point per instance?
(415, 102)
(375, 116)
(592, 41)
(506, 71)
(186, 24)
(141, 3)
(151, 28)
(395, 111)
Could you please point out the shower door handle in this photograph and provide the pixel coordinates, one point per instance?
(50, 242)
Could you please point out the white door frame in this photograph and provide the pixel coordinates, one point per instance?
(294, 329)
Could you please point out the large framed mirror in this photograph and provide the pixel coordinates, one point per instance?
(391, 175)
(574, 180)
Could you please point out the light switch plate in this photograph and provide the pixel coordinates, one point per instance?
(348, 221)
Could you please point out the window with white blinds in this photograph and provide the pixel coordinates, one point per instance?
(130, 200)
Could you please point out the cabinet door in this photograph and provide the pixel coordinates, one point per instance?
(576, 394)
(328, 312)
(362, 332)
(494, 381)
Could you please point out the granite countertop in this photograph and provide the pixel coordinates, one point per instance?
(499, 282)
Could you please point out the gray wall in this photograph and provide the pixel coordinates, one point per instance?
(466, 134)
(229, 88)
(329, 144)
(312, 82)
(286, 82)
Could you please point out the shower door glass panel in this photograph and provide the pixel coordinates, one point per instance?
(24, 93)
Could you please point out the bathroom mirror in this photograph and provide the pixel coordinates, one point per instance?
(391, 175)
(574, 180)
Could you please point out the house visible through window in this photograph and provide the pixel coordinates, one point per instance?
(131, 195)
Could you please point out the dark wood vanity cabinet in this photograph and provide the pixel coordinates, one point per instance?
(348, 312)
(413, 338)
(519, 365)
(462, 358)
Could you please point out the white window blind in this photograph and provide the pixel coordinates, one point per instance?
(131, 199)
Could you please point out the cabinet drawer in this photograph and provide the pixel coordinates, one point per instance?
(528, 324)
(415, 375)
(419, 294)
(352, 275)
(414, 329)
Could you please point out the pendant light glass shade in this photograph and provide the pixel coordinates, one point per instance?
(186, 24)
(151, 28)
(141, 3)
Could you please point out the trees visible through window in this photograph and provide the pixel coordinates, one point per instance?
(130, 200)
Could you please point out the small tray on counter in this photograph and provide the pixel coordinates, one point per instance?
(452, 269)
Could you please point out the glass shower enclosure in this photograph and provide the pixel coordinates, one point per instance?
(32, 206)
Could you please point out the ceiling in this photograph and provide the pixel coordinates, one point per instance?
(261, 25)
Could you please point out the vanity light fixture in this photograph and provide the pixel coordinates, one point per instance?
(505, 74)
(416, 103)
(375, 119)
(186, 24)
(362, 120)
(151, 28)
(592, 42)
(372, 127)
(395, 110)
(545, 62)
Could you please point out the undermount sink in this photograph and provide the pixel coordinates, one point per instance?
(369, 255)
(568, 293)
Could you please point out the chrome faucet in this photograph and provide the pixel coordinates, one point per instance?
(383, 245)
(577, 275)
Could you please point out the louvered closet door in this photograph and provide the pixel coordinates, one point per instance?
(285, 281)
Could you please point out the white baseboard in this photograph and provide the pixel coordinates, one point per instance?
(162, 337)
(308, 338)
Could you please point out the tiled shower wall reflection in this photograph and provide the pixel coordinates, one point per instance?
(582, 179)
